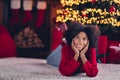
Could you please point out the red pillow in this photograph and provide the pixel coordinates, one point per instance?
(113, 51)
(7, 44)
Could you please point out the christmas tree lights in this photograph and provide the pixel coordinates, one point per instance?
(90, 12)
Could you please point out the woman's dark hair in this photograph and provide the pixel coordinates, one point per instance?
(76, 27)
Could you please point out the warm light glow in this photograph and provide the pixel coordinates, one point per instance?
(104, 17)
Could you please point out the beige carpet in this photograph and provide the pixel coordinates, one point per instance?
(37, 69)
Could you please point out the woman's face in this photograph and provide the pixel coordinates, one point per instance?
(80, 41)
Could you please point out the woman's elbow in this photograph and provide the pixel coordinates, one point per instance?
(94, 74)
(65, 73)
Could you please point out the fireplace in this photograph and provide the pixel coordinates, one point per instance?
(27, 38)
(32, 42)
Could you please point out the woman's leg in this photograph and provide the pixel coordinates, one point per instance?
(54, 58)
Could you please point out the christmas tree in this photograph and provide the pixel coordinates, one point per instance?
(104, 13)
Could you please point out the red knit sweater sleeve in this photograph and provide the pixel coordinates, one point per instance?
(68, 65)
(90, 67)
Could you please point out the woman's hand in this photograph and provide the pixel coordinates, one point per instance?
(82, 54)
(84, 49)
(74, 48)
(77, 53)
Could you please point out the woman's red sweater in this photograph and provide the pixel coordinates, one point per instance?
(69, 66)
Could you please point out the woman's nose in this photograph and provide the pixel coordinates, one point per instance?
(80, 40)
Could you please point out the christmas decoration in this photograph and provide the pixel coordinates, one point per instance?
(112, 9)
(27, 14)
(90, 11)
(41, 7)
(103, 13)
(93, 1)
(84, 13)
(15, 8)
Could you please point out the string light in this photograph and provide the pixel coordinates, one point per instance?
(104, 17)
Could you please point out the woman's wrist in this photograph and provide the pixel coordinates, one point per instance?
(76, 56)
(83, 58)
(82, 55)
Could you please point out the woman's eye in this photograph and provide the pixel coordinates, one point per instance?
(77, 37)
(84, 38)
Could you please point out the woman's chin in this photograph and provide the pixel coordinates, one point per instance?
(79, 49)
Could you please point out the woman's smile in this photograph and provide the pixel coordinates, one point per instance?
(80, 40)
